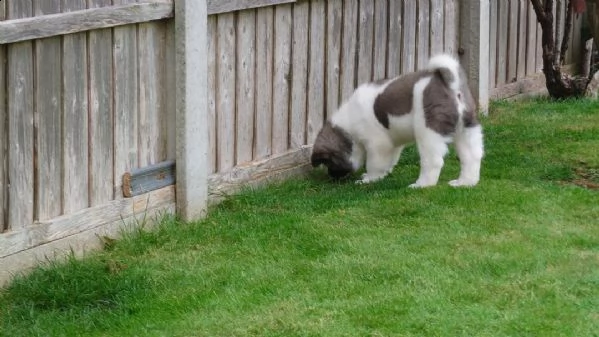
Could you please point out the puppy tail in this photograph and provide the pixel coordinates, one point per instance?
(449, 69)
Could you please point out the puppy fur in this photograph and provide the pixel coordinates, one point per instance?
(431, 107)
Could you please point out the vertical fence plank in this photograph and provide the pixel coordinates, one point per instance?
(316, 69)
(493, 37)
(531, 41)
(381, 18)
(211, 53)
(3, 132)
(282, 78)
(522, 33)
(101, 112)
(264, 80)
(301, 12)
(576, 40)
(436, 26)
(451, 27)
(20, 124)
(246, 67)
(126, 102)
(170, 100)
(408, 49)
(365, 42)
(333, 51)
(48, 113)
(225, 95)
(349, 42)
(152, 126)
(423, 33)
(512, 63)
(394, 47)
(75, 118)
(502, 44)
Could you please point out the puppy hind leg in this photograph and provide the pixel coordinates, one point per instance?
(469, 146)
(432, 149)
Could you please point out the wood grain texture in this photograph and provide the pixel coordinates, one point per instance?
(48, 117)
(512, 61)
(300, 49)
(381, 44)
(264, 82)
(152, 70)
(282, 78)
(493, 38)
(394, 45)
(502, 42)
(101, 174)
(522, 33)
(408, 48)
(365, 42)
(20, 89)
(348, 76)
(82, 20)
(225, 95)
(75, 116)
(316, 70)
(170, 81)
(3, 134)
(333, 54)
(245, 85)
(126, 100)
(451, 23)
(423, 33)
(437, 22)
(212, 88)
(220, 6)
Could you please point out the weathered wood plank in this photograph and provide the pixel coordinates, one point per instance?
(3, 133)
(299, 71)
(225, 95)
(42, 232)
(502, 43)
(512, 61)
(20, 84)
(170, 81)
(264, 79)
(408, 50)
(126, 100)
(82, 20)
(282, 79)
(316, 70)
(48, 115)
(152, 70)
(333, 54)
(365, 42)
(219, 6)
(450, 39)
(394, 46)
(212, 88)
(531, 41)
(423, 33)
(493, 38)
(379, 60)
(75, 120)
(101, 174)
(149, 178)
(245, 85)
(523, 26)
(348, 76)
(437, 22)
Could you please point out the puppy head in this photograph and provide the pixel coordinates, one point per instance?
(333, 148)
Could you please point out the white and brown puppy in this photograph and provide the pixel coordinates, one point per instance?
(431, 107)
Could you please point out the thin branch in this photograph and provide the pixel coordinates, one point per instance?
(567, 32)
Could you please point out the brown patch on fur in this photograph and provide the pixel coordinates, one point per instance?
(397, 98)
(440, 109)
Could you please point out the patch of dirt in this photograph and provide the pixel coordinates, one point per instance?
(586, 177)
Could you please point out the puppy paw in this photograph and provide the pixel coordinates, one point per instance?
(462, 183)
(366, 178)
(420, 185)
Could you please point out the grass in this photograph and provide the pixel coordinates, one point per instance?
(516, 256)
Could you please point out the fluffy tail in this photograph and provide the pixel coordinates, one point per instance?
(449, 69)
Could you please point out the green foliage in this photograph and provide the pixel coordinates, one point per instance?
(518, 255)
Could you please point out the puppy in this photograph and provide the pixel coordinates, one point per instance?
(431, 107)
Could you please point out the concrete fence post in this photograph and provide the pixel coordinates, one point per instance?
(474, 48)
(191, 18)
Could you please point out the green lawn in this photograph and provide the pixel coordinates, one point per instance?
(518, 255)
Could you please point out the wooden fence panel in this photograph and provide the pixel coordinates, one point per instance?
(333, 52)
(226, 92)
(3, 133)
(423, 33)
(348, 76)
(365, 41)
(502, 42)
(512, 59)
(522, 33)
(437, 22)
(245, 81)
(379, 60)
(408, 54)
(450, 38)
(316, 70)
(301, 13)
(75, 119)
(264, 82)
(212, 88)
(394, 46)
(493, 24)
(20, 85)
(531, 43)
(282, 78)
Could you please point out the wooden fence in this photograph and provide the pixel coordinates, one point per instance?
(92, 89)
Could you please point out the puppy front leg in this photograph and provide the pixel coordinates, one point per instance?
(379, 162)
(432, 149)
